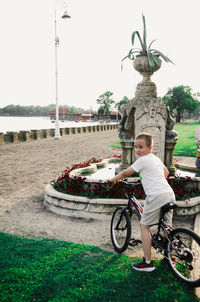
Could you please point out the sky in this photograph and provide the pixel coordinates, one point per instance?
(92, 43)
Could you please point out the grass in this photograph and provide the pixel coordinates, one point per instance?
(186, 145)
(52, 270)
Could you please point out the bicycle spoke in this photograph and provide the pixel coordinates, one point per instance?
(184, 256)
(120, 230)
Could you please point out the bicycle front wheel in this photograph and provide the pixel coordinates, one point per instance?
(120, 230)
(184, 256)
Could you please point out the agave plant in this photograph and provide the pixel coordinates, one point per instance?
(152, 54)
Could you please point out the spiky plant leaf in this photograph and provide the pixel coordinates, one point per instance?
(151, 61)
(144, 33)
(156, 60)
(133, 39)
(162, 55)
(122, 61)
(130, 56)
(151, 44)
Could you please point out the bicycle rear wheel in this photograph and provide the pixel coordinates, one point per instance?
(183, 254)
(120, 230)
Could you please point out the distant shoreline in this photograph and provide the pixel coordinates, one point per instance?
(27, 123)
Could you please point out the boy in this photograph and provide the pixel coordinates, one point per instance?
(153, 174)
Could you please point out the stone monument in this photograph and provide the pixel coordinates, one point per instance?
(147, 113)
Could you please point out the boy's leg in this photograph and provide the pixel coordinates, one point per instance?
(147, 220)
(146, 241)
(146, 265)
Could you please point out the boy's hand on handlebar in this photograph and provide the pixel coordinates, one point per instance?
(114, 182)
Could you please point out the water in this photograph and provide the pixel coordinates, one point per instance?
(104, 173)
(184, 173)
(18, 123)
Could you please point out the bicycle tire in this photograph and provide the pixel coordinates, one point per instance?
(120, 229)
(184, 257)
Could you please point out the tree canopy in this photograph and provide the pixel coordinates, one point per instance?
(106, 102)
(118, 105)
(18, 110)
(180, 99)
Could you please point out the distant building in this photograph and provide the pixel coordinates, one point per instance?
(65, 115)
(85, 117)
(113, 116)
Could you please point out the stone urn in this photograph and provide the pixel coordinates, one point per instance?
(141, 64)
(146, 88)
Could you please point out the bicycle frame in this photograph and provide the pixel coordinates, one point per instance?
(135, 206)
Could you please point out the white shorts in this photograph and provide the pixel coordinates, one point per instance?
(156, 202)
(152, 218)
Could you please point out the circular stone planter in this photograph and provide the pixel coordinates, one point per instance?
(186, 167)
(78, 206)
(100, 208)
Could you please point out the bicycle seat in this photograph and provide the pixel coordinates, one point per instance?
(169, 206)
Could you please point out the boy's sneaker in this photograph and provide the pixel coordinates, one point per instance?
(143, 266)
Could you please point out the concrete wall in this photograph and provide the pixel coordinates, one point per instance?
(22, 136)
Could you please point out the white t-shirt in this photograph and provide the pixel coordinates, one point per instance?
(151, 170)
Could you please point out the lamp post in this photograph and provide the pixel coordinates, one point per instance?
(65, 15)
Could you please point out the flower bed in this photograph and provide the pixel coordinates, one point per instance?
(184, 187)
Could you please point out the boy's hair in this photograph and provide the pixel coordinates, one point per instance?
(146, 137)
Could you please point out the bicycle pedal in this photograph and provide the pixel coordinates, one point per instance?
(133, 242)
(158, 244)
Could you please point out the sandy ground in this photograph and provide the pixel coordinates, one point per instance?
(26, 168)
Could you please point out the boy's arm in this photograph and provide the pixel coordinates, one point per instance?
(125, 173)
(166, 172)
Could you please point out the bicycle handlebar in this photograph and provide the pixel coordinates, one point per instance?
(130, 184)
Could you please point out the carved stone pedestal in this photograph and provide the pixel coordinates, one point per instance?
(169, 157)
(147, 113)
(127, 146)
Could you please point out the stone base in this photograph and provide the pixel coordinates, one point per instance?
(80, 207)
(127, 151)
(169, 157)
(101, 208)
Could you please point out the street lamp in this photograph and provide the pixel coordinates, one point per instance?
(65, 15)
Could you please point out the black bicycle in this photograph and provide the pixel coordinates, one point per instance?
(179, 246)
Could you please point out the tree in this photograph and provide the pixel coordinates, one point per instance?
(118, 105)
(71, 110)
(180, 99)
(105, 102)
